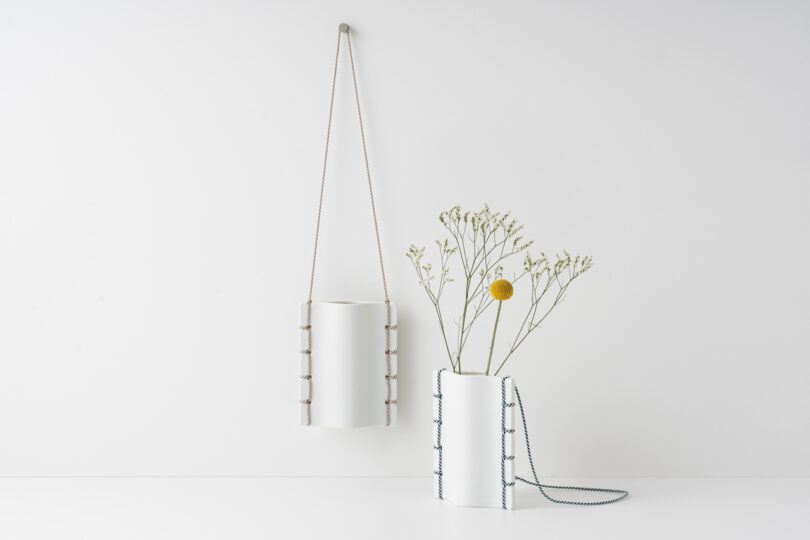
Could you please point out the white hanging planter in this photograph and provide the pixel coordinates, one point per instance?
(348, 349)
(473, 439)
(348, 371)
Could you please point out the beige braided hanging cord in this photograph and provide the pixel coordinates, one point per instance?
(344, 29)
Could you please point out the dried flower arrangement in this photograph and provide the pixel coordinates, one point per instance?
(482, 242)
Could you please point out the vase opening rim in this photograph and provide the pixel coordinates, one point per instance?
(478, 373)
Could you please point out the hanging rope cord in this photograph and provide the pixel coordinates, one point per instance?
(542, 487)
(344, 29)
(365, 160)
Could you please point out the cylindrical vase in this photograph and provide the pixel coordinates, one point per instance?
(348, 364)
(473, 439)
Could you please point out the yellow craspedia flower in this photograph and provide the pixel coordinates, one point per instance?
(501, 290)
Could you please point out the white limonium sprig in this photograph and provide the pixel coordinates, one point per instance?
(481, 242)
(548, 280)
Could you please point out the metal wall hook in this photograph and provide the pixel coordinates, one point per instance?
(344, 28)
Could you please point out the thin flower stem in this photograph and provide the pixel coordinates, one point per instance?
(444, 336)
(532, 327)
(434, 299)
(494, 330)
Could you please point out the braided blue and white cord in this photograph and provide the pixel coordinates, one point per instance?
(504, 432)
(438, 422)
(622, 493)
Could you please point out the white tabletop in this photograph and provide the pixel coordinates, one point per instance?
(359, 508)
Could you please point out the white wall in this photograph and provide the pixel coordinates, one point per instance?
(158, 183)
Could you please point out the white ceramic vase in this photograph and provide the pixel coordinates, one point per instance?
(345, 378)
(473, 439)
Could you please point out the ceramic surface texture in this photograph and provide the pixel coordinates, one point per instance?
(471, 437)
(348, 364)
